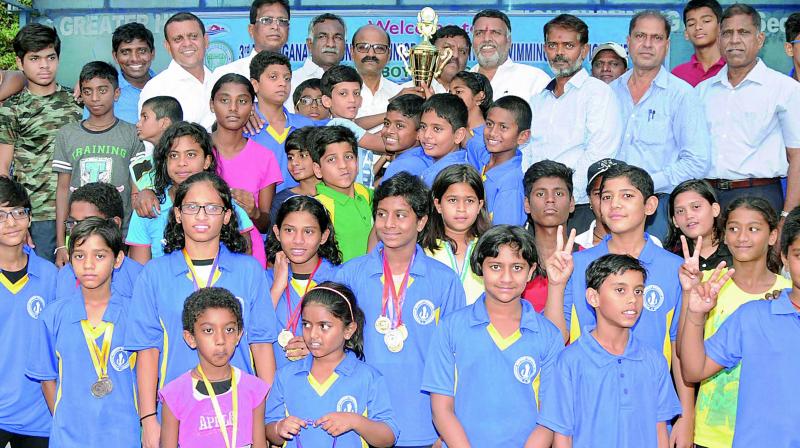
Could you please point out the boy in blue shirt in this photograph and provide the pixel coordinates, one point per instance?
(399, 134)
(404, 293)
(301, 168)
(762, 335)
(608, 388)
(442, 130)
(485, 360)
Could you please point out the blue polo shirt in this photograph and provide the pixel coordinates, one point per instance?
(763, 336)
(413, 160)
(268, 138)
(126, 108)
(22, 406)
(59, 353)
(600, 399)
(122, 279)
(433, 292)
(157, 306)
(490, 377)
(657, 326)
(354, 386)
(505, 193)
(456, 157)
(325, 273)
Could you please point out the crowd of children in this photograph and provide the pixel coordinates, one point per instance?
(281, 287)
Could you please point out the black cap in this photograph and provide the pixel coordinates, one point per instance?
(598, 168)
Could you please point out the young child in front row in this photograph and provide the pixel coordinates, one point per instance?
(406, 292)
(28, 288)
(608, 388)
(78, 355)
(485, 360)
(457, 220)
(333, 150)
(214, 404)
(761, 339)
(301, 168)
(331, 397)
(442, 130)
(399, 134)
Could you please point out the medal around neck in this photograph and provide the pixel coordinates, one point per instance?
(284, 337)
(393, 340)
(102, 387)
(383, 324)
(403, 331)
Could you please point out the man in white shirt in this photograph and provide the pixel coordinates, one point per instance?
(326, 38)
(186, 78)
(457, 40)
(370, 50)
(491, 41)
(576, 118)
(753, 115)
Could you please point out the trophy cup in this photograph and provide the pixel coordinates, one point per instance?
(426, 62)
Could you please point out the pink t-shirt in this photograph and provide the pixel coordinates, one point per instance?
(694, 73)
(253, 169)
(198, 424)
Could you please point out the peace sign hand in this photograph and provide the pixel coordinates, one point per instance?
(560, 265)
(689, 274)
(703, 296)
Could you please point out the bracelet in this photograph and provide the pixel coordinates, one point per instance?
(58, 249)
(146, 416)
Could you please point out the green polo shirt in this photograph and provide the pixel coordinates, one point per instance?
(351, 216)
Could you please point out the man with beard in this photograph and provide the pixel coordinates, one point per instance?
(576, 117)
(491, 41)
(326, 37)
(457, 40)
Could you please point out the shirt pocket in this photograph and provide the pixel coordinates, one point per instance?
(755, 126)
(654, 131)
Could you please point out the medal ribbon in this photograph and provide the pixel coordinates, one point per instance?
(218, 411)
(99, 355)
(389, 292)
(462, 273)
(293, 315)
(194, 273)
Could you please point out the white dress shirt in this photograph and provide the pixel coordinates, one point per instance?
(376, 103)
(239, 66)
(752, 124)
(192, 94)
(521, 80)
(578, 128)
(436, 86)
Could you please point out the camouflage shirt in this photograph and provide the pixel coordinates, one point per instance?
(30, 122)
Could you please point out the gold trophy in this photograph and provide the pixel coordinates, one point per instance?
(426, 61)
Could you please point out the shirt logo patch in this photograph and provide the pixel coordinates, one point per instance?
(347, 403)
(653, 297)
(525, 369)
(119, 359)
(35, 306)
(423, 312)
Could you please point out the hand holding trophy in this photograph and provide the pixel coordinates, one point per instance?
(423, 62)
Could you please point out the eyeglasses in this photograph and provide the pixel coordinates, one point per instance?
(17, 214)
(267, 20)
(70, 224)
(363, 47)
(210, 209)
(308, 101)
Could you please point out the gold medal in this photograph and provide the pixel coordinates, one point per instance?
(284, 337)
(403, 331)
(102, 387)
(383, 325)
(393, 340)
(99, 357)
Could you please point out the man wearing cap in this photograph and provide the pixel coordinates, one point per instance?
(491, 41)
(576, 118)
(663, 121)
(609, 61)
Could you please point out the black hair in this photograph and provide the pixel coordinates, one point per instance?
(519, 108)
(234, 78)
(639, 178)
(792, 27)
(99, 69)
(547, 168)
(477, 82)
(434, 231)
(343, 306)
(408, 105)
(13, 194)
(184, 17)
(650, 13)
(451, 31)
(319, 138)
(35, 37)
(515, 237)
(612, 264)
(311, 83)
(713, 5)
(298, 140)
(160, 153)
(407, 186)
(569, 22)
(127, 33)
(765, 209)
(449, 107)
(324, 17)
(229, 235)
(790, 231)
(493, 14)
(264, 59)
(743, 9)
(338, 74)
(103, 196)
(701, 187)
(107, 229)
(207, 298)
(257, 4)
(328, 250)
(165, 106)
(386, 33)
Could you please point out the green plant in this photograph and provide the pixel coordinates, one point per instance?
(9, 25)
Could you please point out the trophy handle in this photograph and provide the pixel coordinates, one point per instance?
(404, 52)
(444, 57)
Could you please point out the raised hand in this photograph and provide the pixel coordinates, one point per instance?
(703, 297)
(560, 264)
(689, 274)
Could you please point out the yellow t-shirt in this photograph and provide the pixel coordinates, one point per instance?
(472, 283)
(715, 411)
